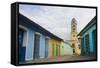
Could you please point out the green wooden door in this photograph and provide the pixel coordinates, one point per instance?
(56, 50)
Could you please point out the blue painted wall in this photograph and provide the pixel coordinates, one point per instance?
(30, 46)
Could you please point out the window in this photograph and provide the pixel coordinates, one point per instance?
(73, 21)
(25, 35)
(79, 46)
(73, 29)
(73, 25)
(73, 50)
(73, 35)
(20, 37)
(73, 45)
(25, 39)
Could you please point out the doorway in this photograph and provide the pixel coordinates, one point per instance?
(36, 46)
(57, 50)
(22, 49)
(46, 47)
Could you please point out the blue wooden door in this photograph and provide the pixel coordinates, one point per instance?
(22, 49)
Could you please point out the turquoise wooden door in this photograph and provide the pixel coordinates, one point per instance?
(87, 44)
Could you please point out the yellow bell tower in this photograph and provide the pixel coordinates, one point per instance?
(74, 38)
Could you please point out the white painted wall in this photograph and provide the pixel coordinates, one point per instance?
(66, 49)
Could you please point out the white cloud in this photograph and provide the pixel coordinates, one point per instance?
(58, 19)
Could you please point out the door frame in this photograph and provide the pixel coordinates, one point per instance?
(25, 43)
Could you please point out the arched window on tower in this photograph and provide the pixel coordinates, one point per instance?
(73, 29)
(73, 35)
(73, 25)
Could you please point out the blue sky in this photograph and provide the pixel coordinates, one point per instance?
(58, 19)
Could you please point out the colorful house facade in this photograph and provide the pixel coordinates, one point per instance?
(88, 38)
(35, 42)
(54, 49)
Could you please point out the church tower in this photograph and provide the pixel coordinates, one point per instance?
(74, 38)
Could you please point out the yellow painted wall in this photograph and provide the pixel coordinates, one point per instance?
(52, 47)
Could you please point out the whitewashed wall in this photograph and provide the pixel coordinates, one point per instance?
(66, 49)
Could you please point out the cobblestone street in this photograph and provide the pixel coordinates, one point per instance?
(63, 58)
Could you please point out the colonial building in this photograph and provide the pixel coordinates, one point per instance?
(88, 38)
(74, 38)
(35, 42)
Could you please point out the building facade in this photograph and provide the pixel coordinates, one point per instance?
(35, 42)
(74, 38)
(88, 38)
(54, 48)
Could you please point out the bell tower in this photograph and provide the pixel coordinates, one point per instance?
(74, 38)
